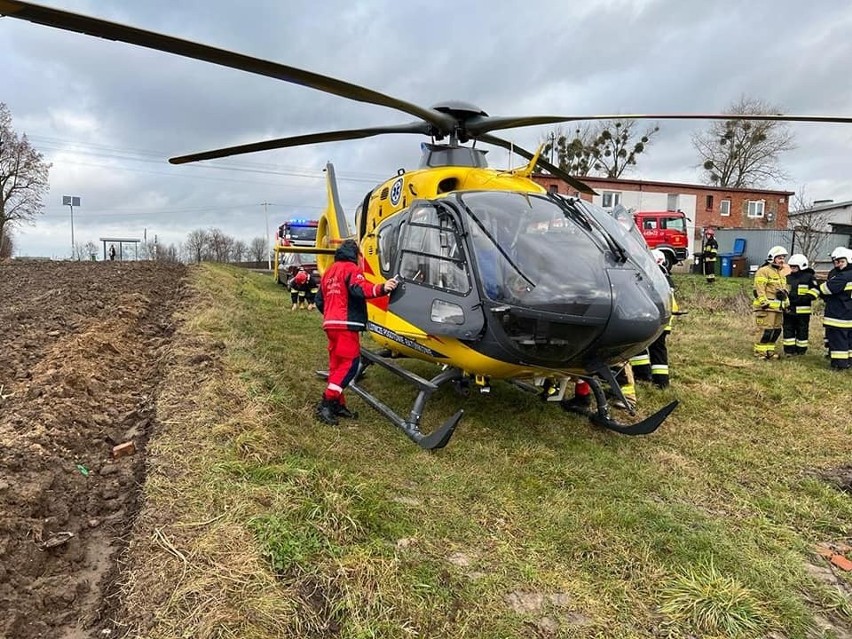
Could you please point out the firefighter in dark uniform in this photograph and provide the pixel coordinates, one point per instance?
(312, 289)
(299, 286)
(803, 289)
(709, 251)
(652, 365)
(837, 319)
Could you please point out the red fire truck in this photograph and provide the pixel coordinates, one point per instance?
(295, 232)
(666, 231)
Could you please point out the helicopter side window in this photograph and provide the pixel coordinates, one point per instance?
(431, 252)
(388, 241)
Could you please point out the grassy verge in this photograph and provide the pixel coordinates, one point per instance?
(261, 523)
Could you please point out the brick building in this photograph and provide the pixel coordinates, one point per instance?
(704, 206)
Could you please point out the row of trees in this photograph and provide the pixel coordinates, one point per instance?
(732, 153)
(201, 245)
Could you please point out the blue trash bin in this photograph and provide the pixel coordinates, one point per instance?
(727, 266)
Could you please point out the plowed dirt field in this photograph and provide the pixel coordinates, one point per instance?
(80, 360)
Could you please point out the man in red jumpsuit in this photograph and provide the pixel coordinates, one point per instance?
(342, 300)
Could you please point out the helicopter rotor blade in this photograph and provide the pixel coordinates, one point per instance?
(96, 27)
(301, 140)
(478, 125)
(553, 169)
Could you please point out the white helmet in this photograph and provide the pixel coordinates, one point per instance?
(776, 251)
(659, 257)
(841, 252)
(798, 260)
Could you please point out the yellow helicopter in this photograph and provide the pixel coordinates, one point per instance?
(499, 279)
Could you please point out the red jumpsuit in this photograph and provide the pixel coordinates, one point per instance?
(342, 299)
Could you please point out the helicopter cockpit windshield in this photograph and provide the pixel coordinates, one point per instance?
(534, 251)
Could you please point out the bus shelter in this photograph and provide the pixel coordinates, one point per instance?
(123, 247)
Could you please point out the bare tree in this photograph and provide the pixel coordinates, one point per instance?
(257, 249)
(196, 245)
(169, 253)
(608, 148)
(78, 252)
(7, 244)
(744, 153)
(220, 245)
(810, 225)
(23, 177)
(91, 250)
(238, 250)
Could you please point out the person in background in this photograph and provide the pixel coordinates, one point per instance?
(709, 251)
(803, 289)
(342, 300)
(312, 289)
(837, 319)
(299, 285)
(770, 300)
(838, 252)
(111, 252)
(652, 365)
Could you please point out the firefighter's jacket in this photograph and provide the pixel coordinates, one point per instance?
(710, 249)
(837, 292)
(675, 308)
(768, 283)
(803, 290)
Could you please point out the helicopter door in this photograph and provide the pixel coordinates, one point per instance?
(436, 295)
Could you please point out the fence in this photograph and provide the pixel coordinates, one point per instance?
(815, 246)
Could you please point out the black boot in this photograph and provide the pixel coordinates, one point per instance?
(341, 411)
(578, 401)
(326, 412)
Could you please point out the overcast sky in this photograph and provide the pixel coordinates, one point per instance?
(107, 115)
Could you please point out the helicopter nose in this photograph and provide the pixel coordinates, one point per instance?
(638, 314)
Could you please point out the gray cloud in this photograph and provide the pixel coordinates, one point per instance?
(108, 115)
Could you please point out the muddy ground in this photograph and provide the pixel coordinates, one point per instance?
(80, 351)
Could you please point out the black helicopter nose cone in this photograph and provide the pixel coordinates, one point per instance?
(638, 313)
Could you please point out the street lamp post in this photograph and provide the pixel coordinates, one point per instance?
(71, 201)
(268, 252)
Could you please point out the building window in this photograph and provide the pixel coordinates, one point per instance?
(672, 202)
(755, 208)
(725, 208)
(553, 188)
(708, 202)
(611, 199)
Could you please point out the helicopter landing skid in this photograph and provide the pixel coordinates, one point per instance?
(600, 416)
(411, 426)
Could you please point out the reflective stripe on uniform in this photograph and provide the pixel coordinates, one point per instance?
(642, 359)
(836, 323)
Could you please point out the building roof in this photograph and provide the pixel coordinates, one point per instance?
(824, 207)
(703, 187)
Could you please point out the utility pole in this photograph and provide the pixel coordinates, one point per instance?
(552, 144)
(268, 252)
(71, 201)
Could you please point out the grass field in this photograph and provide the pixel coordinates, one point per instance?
(531, 523)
